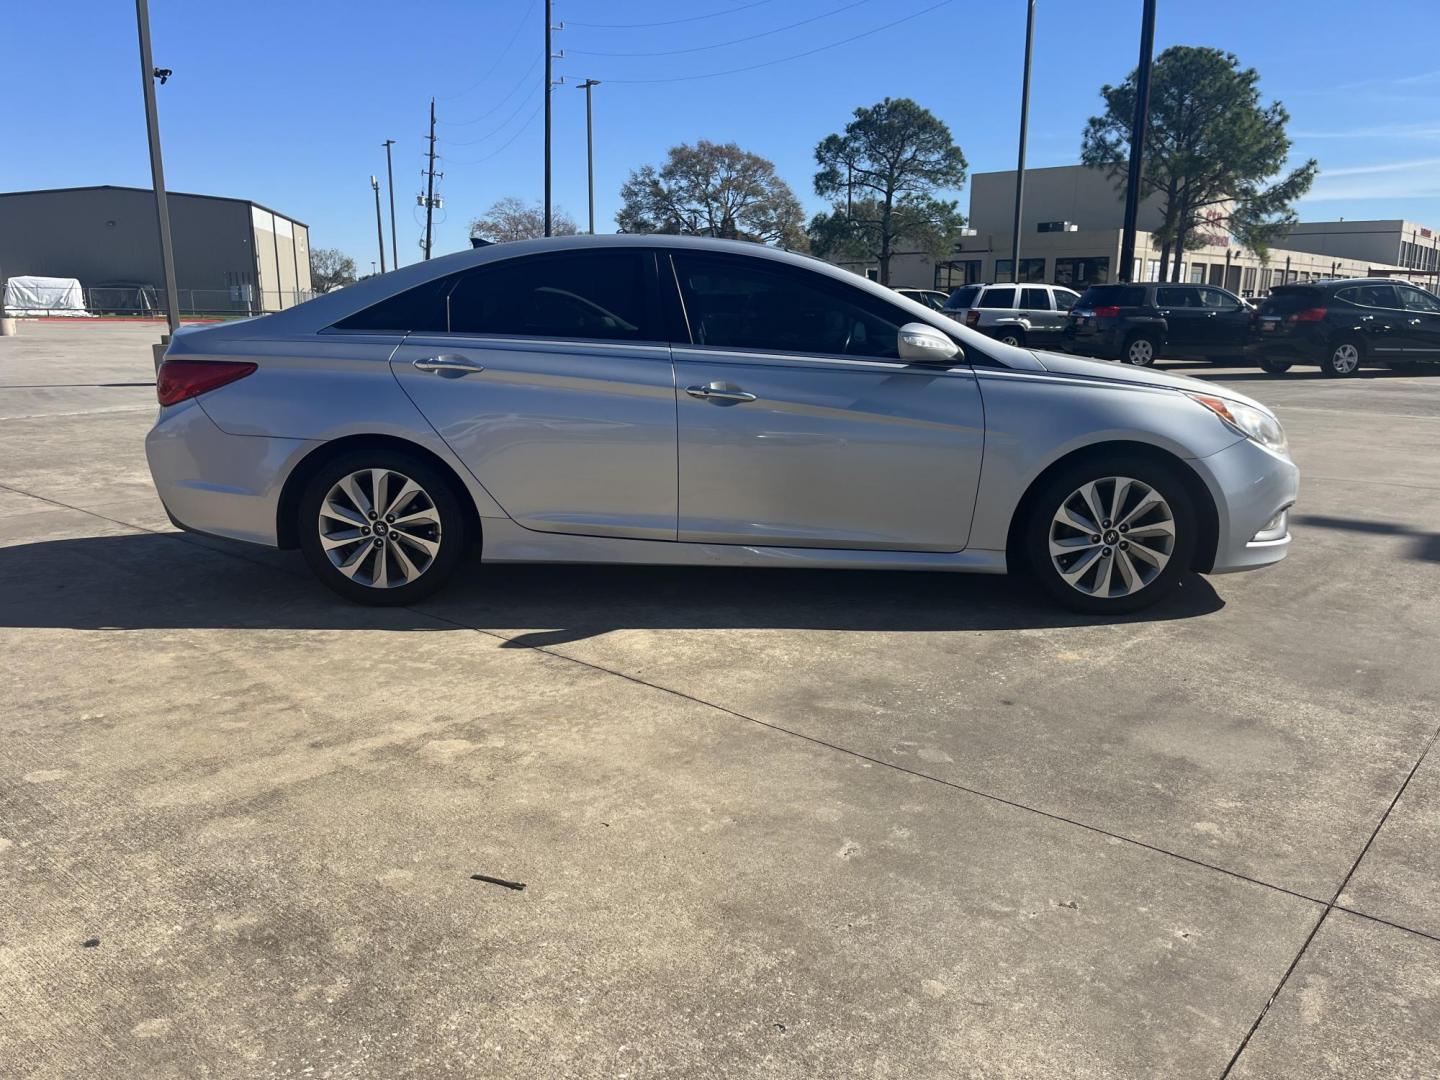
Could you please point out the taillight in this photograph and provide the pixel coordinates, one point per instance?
(179, 380)
(1314, 314)
(972, 318)
(1110, 312)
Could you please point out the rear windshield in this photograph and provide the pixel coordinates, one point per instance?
(1113, 296)
(1288, 299)
(962, 297)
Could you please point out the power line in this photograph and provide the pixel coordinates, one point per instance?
(794, 56)
(500, 126)
(668, 22)
(499, 104)
(524, 127)
(504, 51)
(733, 41)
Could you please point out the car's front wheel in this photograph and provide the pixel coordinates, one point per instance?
(1110, 535)
(381, 527)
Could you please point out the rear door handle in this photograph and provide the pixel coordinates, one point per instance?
(453, 365)
(1415, 322)
(718, 392)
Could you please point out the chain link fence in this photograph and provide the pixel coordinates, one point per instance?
(145, 301)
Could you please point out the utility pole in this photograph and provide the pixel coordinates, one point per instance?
(590, 146)
(429, 198)
(549, 83)
(1137, 141)
(390, 180)
(148, 74)
(1020, 164)
(379, 228)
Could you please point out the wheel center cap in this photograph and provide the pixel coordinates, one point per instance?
(1111, 536)
(381, 528)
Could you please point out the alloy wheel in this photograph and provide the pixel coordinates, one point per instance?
(1345, 358)
(379, 528)
(1112, 537)
(1141, 352)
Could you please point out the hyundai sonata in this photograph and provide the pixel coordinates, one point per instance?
(653, 399)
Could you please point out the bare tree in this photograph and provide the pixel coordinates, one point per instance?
(511, 219)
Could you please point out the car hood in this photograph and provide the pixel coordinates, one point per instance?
(1113, 371)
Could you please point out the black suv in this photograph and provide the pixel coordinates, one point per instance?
(1137, 323)
(1344, 323)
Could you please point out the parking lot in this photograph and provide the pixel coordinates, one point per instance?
(769, 823)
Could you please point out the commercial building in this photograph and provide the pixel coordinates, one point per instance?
(231, 255)
(1071, 230)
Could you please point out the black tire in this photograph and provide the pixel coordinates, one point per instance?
(438, 492)
(1342, 360)
(1274, 367)
(1141, 349)
(1011, 335)
(1056, 491)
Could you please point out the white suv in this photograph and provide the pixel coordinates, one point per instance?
(1031, 316)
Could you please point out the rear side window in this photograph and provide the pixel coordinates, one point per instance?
(1113, 296)
(1381, 296)
(1034, 300)
(594, 294)
(997, 298)
(963, 297)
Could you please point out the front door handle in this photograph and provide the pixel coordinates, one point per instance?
(718, 392)
(1415, 322)
(448, 365)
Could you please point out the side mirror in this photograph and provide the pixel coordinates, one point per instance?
(924, 344)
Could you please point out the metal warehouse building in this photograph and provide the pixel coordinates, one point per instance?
(231, 255)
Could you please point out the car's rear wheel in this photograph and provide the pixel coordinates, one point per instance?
(381, 527)
(1273, 366)
(1343, 359)
(1011, 336)
(1111, 535)
(1140, 350)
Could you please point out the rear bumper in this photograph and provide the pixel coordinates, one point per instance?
(1251, 487)
(219, 484)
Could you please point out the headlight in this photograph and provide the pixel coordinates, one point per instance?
(1249, 421)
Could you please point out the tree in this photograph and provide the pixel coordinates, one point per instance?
(510, 219)
(897, 155)
(1210, 148)
(330, 268)
(712, 189)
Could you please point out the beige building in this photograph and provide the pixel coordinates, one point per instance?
(1070, 234)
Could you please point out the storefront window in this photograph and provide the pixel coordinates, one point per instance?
(951, 275)
(1197, 273)
(1032, 270)
(1077, 273)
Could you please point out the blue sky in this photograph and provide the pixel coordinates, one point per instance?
(287, 103)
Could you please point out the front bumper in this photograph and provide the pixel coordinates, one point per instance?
(1252, 488)
(219, 484)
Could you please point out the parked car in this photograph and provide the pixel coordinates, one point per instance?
(931, 298)
(1030, 316)
(1345, 323)
(654, 399)
(1140, 322)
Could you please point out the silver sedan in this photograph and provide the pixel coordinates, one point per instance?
(651, 399)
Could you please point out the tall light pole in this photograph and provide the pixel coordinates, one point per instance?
(1137, 141)
(390, 179)
(379, 229)
(590, 146)
(148, 74)
(1024, 124)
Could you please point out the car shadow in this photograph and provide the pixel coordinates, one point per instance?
(1426, 547)
(169, 581)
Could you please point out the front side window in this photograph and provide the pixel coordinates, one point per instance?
(1415, 300)
(742, 303)
(998, 298)
(591, 294)
(1065, 299)
(1216, 300)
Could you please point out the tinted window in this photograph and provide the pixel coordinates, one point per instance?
(1065, 299)
(963, 297)
(594, 294)
(1383, 296)
(1415, 300)
(1113, 296)
(747, 304)
(1175, 297)
(1288, 299)
(1035, 300)
(997, 298)
(1217, 300)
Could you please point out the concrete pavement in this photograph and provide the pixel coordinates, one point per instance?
(771, 823)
